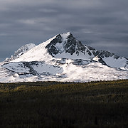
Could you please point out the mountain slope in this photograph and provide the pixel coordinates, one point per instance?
(64, 58)
(21, 51)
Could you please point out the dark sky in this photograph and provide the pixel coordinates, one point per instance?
(102, 24)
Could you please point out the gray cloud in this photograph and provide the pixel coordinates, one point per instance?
(100, 24)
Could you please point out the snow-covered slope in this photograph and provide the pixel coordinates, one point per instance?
(67, 71)
(37, 53)
(62, 58)
(113, 60)
(21, 51)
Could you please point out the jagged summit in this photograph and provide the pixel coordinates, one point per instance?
(66, 43)
(67, 46)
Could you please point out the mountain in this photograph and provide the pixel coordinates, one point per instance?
(62, 58)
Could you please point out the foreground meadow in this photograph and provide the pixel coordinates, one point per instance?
(61, 105)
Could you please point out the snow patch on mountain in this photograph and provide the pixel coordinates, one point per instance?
(116, 63)
(92, 72)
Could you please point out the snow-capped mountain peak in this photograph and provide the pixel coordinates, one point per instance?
(63, 58)
(60, 46)
(67, 46)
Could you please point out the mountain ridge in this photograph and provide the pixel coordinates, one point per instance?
(64, 58)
